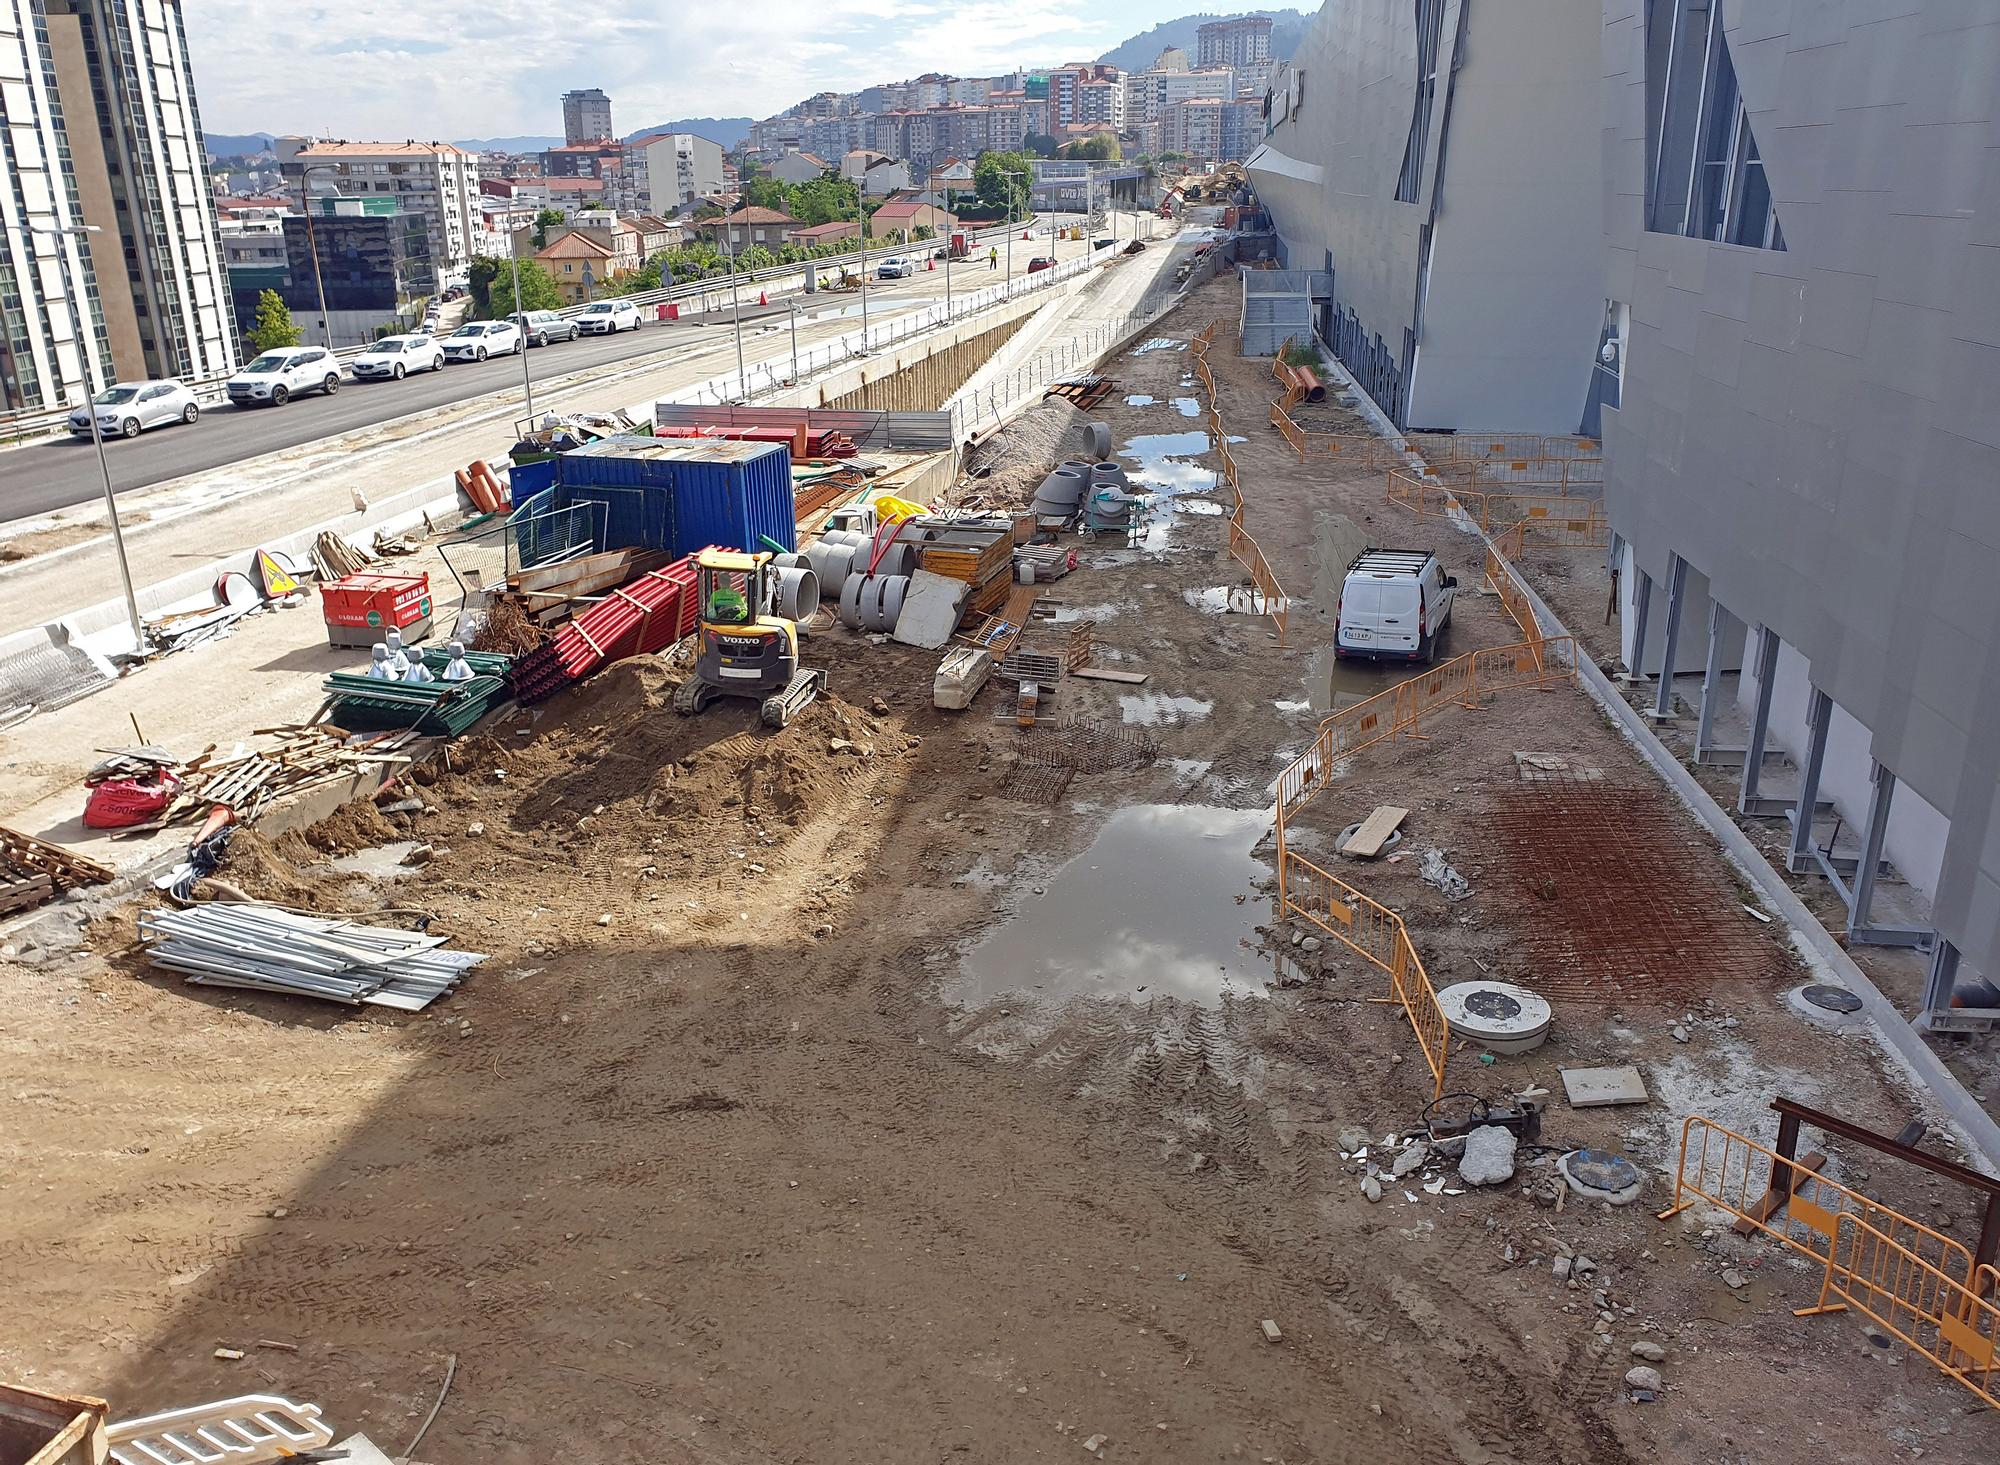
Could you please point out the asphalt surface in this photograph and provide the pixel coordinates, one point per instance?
(45, 477)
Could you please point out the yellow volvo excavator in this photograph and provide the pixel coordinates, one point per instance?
(747, 647)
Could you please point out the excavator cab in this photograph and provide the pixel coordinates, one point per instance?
(746, 648)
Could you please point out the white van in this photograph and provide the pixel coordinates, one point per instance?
(1394, 605)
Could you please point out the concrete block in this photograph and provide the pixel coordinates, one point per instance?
(1598, 1088)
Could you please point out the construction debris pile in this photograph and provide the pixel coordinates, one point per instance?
(225, 944)
(33, 871)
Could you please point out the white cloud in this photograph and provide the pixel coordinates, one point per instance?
(388, 68)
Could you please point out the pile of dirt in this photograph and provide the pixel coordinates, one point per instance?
(1005, 471)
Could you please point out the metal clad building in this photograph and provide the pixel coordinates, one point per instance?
(1442, 160)
(1803, 209)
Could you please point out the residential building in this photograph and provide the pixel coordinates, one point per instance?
(664, 171)
(433, 179)
(1799, 358)
(1084, 93)
(774, 136)
(578, 264)
(799, 167)
(1173, 58)
(951, 175)
(900, 218)
(1213, 129)
(599, 158)
(374, 266)
(1148, 94)
(586, 116)
(102, 129)
(1441, 164)
(1245, 41)
(818, 234)
(829, 137)
(748, 227)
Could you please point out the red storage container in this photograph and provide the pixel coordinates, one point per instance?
(359, 608)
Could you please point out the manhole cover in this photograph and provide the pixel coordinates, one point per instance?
(1602, 1175)
(1832, 999)
(1491, 1004)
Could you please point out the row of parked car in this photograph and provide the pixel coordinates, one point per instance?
(274, 378)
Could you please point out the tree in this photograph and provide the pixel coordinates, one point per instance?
(275, 328)
(822, 200)
(1098, 147)
(756, 257)
(923, 231)
(491, 282)
(546, 220)
(1041, 144)
(764, 193)
(1001, 180)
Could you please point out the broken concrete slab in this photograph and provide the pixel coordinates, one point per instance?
(1599, 1088)
(930, 610)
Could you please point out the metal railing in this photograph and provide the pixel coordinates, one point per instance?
(712, 292)
(1270, 596)
(1954, 1326)
(1412, 489)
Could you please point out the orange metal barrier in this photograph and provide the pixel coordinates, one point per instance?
(1955, 1326)
(1446, 447)
(1736, 1174)
(1378, 934)
(1461, 682)
(1242, 548)
(1412, 490)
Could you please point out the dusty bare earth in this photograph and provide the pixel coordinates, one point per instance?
(736, 1177)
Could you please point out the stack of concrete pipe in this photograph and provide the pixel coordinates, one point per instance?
(873, 602)
(1061, 493)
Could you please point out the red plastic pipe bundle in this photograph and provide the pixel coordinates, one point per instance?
(649, 614)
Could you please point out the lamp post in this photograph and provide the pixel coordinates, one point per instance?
(77, 232)
(793, 307)
(1011, 173)
(312, 244)
(520, 320)
(861, 214)
(735, 303)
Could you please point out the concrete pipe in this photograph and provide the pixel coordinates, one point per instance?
(874, 616)
(832, 564)
(1074, 465)
(850, 601)
(1100, 440)
(1063, 488)
(798, 593)
(895, 590)
(1107, 474)
(897, 559)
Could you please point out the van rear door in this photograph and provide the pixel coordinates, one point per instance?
(1380, 613)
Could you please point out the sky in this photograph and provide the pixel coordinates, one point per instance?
(392, 69)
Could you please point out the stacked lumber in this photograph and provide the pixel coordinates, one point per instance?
(33, 870)
(247, 782)
(335, 558)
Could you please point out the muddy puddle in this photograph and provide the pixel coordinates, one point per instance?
(1158, 709)
(1187, 406)
(382, 862)
(1162, 466)
(1140, 399)
(1159, 343)
(1332, 684)
(1161, 903)
(1230, 600)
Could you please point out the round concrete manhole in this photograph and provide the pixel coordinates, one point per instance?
(1602, 1175)
(1831, 999)
(1499, 1016)
(1340, 844)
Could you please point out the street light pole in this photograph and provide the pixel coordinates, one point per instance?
(793, 307)
(521, 320)
(312, 244)
(77, 232)
(861, 214)
(736, 306)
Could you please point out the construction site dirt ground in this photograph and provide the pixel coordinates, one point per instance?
(828, 1098)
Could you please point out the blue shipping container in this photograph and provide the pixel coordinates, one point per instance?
(682, 495)
(733, 494)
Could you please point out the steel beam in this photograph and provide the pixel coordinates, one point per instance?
(1819, 717)
(1705, 750)
(1663, 699)
(1750, 800)
(1869, 866)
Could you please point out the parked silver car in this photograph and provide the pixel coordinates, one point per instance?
(129, 408)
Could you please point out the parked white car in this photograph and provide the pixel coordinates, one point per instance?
(129, 408)
(894, 268)
(276, 377)
(606, 316)
(394, 357)
(1394, 605)
(481, 339)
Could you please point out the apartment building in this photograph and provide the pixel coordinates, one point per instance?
(799, 167)
(666, 171)
(586, 116)
(598, 158)
(1799, 360)
(1213, 129)
(1245, 41)
(1148, 94)
(1442, 163)
(99, 111)
(1084, 94)
(433, 179)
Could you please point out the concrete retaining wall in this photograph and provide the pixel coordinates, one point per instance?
(927, 383)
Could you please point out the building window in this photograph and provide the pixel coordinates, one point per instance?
(1705, 178)
(1430, 23)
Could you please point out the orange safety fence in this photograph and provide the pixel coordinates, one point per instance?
(1446, 447)
(1954, 1325)
(1378, 934)
(1409, 489)
(1242, 548)
(1731, 1172)
(1461, 682)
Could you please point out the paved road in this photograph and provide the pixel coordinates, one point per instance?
(42, 478)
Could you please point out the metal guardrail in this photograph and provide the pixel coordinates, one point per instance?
(209, 390)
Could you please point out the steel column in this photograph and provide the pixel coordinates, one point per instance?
(1705, 750)
(1861, 929)
(1819, 716)
(1642, 614)
(1663, 699)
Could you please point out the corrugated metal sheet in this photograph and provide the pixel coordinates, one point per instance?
(919, 432)
(732, 493)
(525, 480)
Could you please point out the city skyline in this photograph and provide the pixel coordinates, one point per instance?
(377, 65)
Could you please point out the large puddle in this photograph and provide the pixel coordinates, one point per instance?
(1162, 468)
(1155, 905)
(1332, 683)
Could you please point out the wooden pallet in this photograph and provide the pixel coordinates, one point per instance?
(1082, 393)
(65, 868)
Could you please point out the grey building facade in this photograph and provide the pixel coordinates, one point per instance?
(1800, 407)
(586, 116)
(1440, 159)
